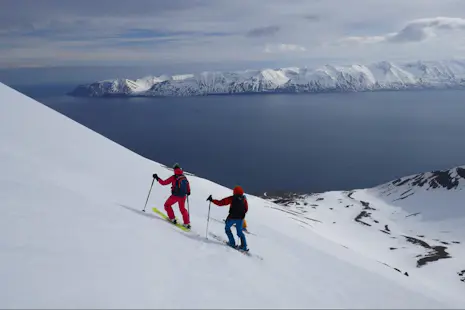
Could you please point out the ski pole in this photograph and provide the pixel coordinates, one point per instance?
(188, 211)
(208, 219)
(148, 195)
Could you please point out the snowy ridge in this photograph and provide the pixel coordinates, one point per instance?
(440, 179)
(357, 77)
(415, 224)
(72, 235)
(443, 189)
(118, 87)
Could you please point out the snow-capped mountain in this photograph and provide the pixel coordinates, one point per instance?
(357, 77)
(415, 224)
(73, 235)
(441, 179)
(117, 87)
(436, 195)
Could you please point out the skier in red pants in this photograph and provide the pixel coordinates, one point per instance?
(180, 189)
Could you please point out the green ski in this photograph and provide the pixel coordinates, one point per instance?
(167, 219)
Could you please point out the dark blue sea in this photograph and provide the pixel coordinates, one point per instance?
(282, 142)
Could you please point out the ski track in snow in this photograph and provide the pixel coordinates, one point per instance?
(72, 235)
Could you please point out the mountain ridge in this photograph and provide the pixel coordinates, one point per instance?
(378, 76)
(417, 222)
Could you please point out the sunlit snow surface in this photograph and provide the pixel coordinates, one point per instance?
(72, 235)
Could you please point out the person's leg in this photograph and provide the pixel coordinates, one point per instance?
(182, 208)
(227, 229)
(240, 234)
(169, 210)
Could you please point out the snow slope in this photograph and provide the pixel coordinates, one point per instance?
(426, 194)
(415, 224)
(356, 77)
(72, 235)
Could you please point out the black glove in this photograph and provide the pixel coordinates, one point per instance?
(189, 193)
(209, 198)
(155, 176)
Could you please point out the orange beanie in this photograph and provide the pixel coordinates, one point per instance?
(238, 190)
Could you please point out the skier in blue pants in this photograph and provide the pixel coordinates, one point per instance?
(237, 210)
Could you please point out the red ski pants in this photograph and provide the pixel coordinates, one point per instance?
(181, 202)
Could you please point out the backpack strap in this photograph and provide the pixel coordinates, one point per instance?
(178, 179)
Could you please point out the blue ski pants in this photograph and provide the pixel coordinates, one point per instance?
(239, 231)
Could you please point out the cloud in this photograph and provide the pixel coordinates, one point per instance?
(283, 48)
(16, 14)
(414, 31)
(263, 31)
(312, 17)
(231, 33)
(423, 29)
(363, 39)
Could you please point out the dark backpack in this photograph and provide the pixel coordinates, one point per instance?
(237, 208)
(180, 186)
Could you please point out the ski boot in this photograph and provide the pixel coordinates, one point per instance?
(188, 226)
(242, 247)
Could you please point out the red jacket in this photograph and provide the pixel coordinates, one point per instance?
(228, 200)
(172, 180)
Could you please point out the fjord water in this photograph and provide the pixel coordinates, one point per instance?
(278, 142)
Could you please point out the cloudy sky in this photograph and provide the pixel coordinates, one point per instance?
(179, 36)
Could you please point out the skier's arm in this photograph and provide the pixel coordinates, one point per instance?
(246, 205)
(167, 181)
(223, 202)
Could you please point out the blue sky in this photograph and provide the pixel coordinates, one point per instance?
(181, 36)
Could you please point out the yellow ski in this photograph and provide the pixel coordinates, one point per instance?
(166, 218)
